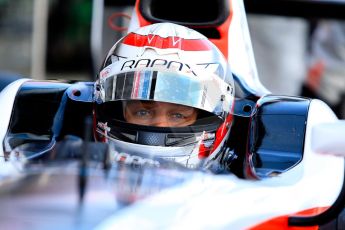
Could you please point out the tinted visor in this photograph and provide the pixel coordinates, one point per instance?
(203, 93)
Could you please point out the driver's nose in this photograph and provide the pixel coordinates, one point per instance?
(161, 120)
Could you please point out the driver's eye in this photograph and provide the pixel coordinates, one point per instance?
(177, 116)
(143, 113)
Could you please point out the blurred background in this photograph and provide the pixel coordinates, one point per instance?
(299, 47)
(56, 39)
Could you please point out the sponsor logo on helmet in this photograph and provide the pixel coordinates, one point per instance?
(105, 72)
(160, 63)
(132, 160)
(168, 64)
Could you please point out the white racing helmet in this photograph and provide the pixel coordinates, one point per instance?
(165, 63)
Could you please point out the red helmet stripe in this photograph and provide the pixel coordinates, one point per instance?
(166, 43)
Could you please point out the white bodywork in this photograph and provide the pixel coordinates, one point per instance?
(226, 202)
(329, 138)
(7, 98)
(240, 50)
(241, 54)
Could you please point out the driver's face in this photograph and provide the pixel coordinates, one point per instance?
(159, 114)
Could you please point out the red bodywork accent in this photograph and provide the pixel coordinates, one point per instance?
(281, 222)
(223, 29)
(223, 41)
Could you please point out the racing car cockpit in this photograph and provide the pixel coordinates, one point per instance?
(46, 112)
(264, 156)
(267, 132)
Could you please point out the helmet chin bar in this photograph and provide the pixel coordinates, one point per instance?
(159, 136)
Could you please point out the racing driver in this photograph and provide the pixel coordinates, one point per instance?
(167, 92)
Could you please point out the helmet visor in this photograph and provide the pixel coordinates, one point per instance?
(202, 92)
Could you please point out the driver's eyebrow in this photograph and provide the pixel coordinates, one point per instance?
(148, 104)
(182, 108)
(141, 104)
